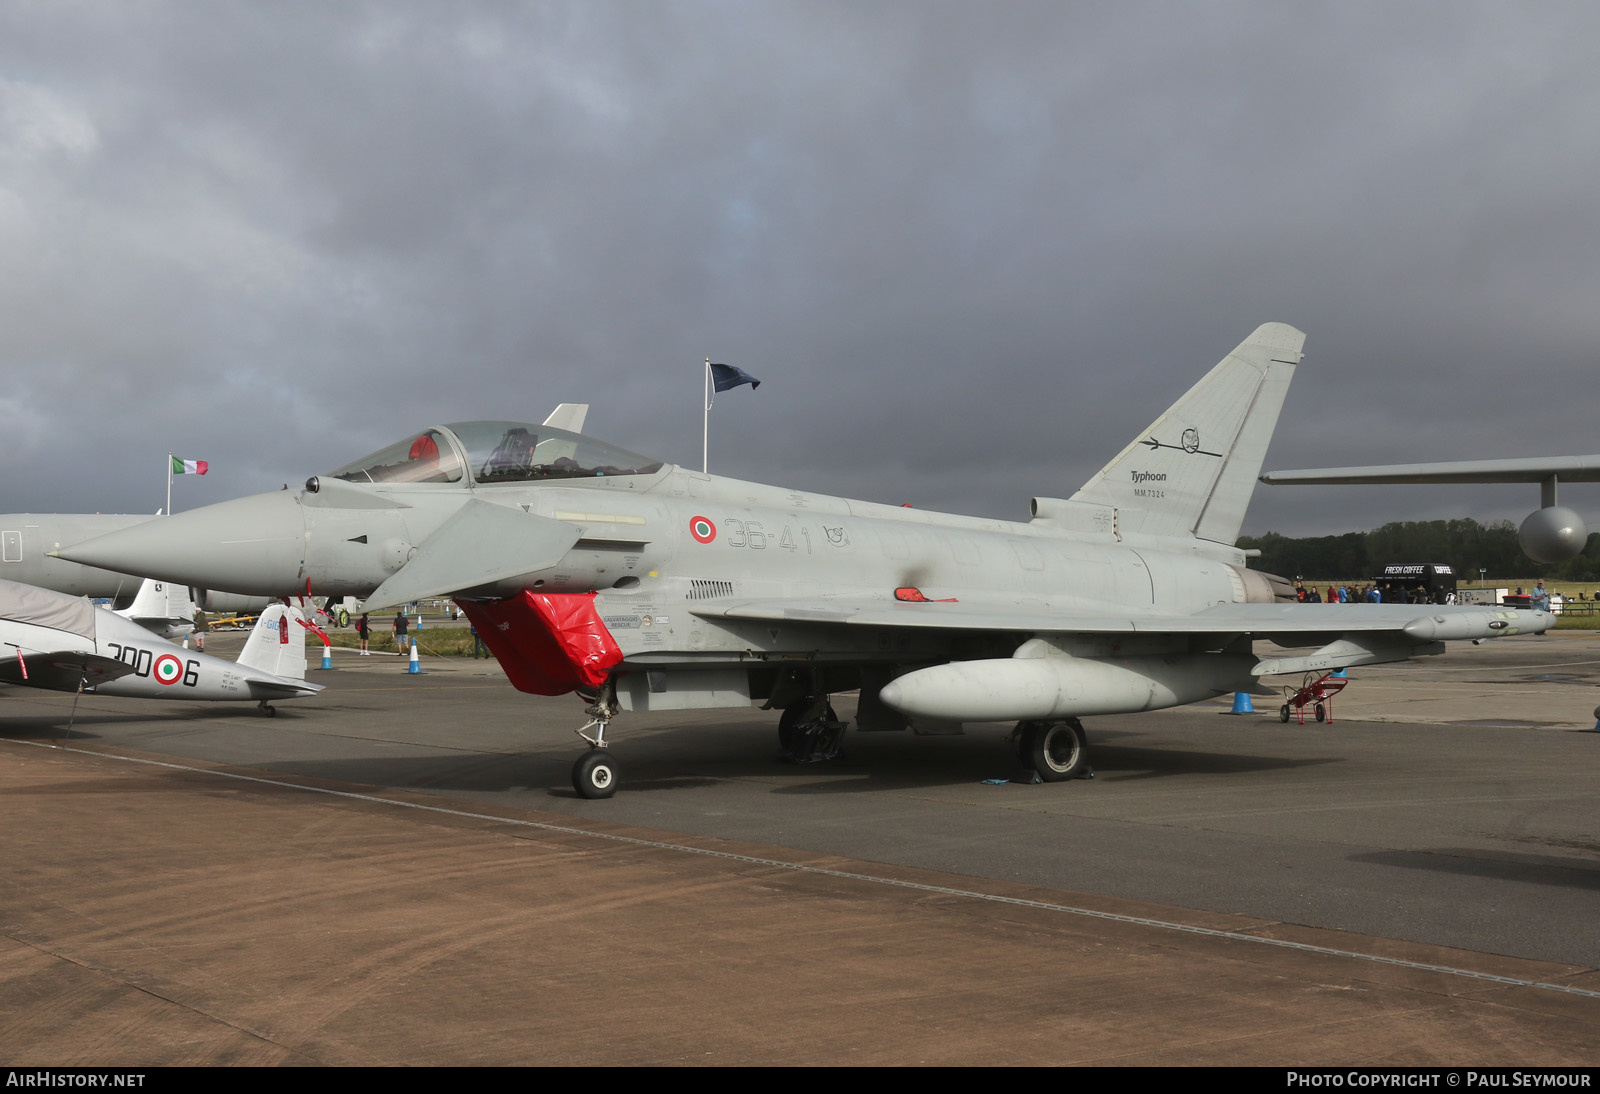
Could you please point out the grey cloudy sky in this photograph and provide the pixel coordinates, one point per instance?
(970, 248)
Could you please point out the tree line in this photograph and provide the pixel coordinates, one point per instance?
(1464, 544)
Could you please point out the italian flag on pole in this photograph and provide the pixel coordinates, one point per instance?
(189, 467)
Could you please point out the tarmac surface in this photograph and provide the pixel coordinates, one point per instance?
(398, 871)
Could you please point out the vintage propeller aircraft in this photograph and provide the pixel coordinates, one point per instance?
(65, 643)
(644, 586)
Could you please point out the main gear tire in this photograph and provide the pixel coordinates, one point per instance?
(796, 739)
(1058, 751)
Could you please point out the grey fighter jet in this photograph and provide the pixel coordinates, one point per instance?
(644, 586)
(63, 643)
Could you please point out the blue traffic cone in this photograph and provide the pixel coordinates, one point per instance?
(1340, 674)
(327, 657)
(1241, 703)
(1596, 728)
(415, 668)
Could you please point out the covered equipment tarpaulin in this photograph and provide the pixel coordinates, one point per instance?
(548, 643)
(44, 608)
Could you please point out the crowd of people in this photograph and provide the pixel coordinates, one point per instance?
(1370, 594)
(1538, 596)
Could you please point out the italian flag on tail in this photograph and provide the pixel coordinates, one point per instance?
(189, 467)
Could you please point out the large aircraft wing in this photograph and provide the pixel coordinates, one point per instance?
(1531, 469)
(1552, 533)
(1040, 617)
(1347, 634)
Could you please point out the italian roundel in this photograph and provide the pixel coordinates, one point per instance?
(702, 529)
(167, 669)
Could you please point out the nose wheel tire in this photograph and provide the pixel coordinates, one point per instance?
(595, 774)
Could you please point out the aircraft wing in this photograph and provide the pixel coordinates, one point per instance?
(1346, 634)
(59, 670)
(1040, 617)
(1533, 469)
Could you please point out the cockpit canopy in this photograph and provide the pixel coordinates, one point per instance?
(492, 452)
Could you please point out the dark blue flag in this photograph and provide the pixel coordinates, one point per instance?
(724, 377)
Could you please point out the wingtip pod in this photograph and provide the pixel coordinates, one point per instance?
(1488, 623)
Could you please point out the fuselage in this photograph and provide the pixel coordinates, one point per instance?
(656, 540)
(27, 541)
(28, 546)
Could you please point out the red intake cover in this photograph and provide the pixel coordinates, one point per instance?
(548, 643)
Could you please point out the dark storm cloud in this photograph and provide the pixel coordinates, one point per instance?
(971, 249)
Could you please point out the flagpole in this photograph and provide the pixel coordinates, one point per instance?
(705, 428)
(169, 484)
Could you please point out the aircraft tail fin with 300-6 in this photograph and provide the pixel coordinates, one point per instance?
(1192, 471)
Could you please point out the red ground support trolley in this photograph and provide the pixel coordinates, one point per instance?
(1314, 691)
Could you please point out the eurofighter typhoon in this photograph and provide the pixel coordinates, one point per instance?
(639, 585)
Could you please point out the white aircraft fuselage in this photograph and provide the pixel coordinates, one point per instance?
(60, 642)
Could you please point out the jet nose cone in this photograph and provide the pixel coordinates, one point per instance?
(249, 545)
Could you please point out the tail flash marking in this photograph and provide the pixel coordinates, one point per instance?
(265, 652)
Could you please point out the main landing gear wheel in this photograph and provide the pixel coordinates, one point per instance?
(267, 708)
(809, 731)
(595, 774)
(789, 723)
(1056, 750)
(1023, 739)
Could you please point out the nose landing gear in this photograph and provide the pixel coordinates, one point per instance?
(596, 775)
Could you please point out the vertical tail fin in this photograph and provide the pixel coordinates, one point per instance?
(160, 600)
(150, 602)
(1191, 473)
(161, 608)
(277, 644)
